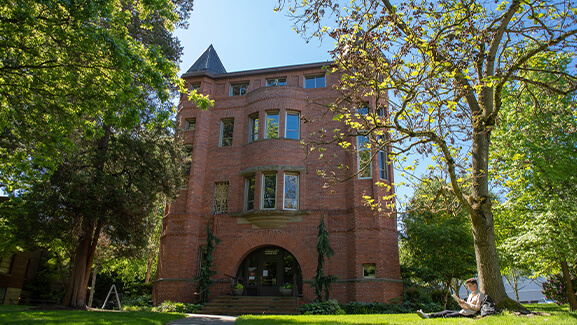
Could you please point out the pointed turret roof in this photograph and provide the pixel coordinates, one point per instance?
(208, 62)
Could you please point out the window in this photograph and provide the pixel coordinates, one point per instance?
(226, 130)
(316, 81)
(291, 192)
(269, 191)
(364, 156)
(238, 89)
(253, 131)
(187, 160)
(363, 110)
(250, 186)
(6, 264)
(369, 270)
(381, 111)
(190, 124)
(383, 165)
(194, 86)
(271, 131)
(276, 82)
(292, 125)
(220, 197)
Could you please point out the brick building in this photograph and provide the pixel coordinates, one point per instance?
(251, 177)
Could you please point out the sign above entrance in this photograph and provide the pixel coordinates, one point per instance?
(271, 251)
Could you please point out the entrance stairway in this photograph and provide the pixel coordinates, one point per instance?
(246, 305)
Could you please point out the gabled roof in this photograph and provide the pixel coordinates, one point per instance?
(208, 62)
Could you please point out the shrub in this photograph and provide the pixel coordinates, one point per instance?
(141, 301)
(329, 307)
(555, 288)
(178, 307)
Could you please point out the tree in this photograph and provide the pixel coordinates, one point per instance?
(436, 237)
(534, 154)
(321, 281)
(446, 63)
(65, 64)
(105, 186)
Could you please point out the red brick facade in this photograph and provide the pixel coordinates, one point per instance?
(358, 235)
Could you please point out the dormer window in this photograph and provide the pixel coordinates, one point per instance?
(276, 82)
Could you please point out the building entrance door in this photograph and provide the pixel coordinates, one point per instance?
(266, 269)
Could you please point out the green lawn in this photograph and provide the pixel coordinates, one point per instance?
(12, 315)
(559, 315)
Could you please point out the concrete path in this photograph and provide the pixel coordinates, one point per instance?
(199, 319)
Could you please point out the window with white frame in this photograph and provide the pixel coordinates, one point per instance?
(291, 192)
(190, 124)
(253, 128)
(226, 132)
(383, 165)
(276, 82)
(238, 89)
(220, 198)
(271, 127)
(249, 190)
(269, 191)
(315, 81)
(292, 127)
(364, 156)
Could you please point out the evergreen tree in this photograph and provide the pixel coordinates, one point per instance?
(320, 281)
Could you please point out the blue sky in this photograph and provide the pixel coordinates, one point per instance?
(247, 35)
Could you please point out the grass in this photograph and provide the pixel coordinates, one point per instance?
(12, 315)
(558, 315)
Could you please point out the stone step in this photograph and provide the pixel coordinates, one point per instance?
(245, 305)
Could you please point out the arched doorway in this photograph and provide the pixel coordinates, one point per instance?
(263, 271)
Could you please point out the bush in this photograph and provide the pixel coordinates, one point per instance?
(329, 307)
(138, 301)
(178, 307)
(555, 288)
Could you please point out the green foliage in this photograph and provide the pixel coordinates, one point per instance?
(329, 307)
(66, 67)
(439, 69)
(137, 301)
(436, 242)
(320, 281)
(555, 287)
(178, 307)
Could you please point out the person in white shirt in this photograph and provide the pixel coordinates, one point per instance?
(470, 307)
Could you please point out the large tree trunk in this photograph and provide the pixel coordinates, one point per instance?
(84, 255)
(569, 286)
(83, 259)
(490, 280)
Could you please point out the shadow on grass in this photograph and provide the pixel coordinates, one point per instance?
(13, 316)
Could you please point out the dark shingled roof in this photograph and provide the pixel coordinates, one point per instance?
(209, 62)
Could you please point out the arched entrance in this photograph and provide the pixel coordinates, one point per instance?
(263, 271)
